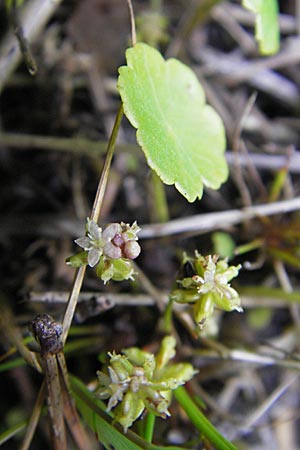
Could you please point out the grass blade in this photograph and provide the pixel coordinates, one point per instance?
(201, 422)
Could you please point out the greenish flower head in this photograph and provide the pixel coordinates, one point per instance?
(111, 250)
(209, 287)
(138, 380)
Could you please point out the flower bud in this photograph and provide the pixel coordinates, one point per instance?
(131, 250)
(203, 309)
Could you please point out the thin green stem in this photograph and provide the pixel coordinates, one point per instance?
(159, 204)
(79, 276)
(249, 247)
(168, 317)
(149, 426)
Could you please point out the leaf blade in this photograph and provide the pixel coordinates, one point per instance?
(182, 137)
(201, 422)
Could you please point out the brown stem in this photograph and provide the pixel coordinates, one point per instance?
(79, 276)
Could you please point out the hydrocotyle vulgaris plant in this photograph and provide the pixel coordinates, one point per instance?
(183, 139)
(188, 141)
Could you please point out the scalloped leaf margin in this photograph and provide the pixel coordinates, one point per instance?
(182, 137)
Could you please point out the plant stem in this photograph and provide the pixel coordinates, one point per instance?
(168, 317)
(159, 204)
(149, 426)
(105, 172)
(132, 21)
(72, 301)
(79, 276)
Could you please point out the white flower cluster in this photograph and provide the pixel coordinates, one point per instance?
(116, 241)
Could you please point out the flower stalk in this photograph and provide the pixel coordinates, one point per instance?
(79, 276)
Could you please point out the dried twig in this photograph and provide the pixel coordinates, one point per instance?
(33, 18)
(202, 223)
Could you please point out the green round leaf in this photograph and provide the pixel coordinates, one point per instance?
(182, 137)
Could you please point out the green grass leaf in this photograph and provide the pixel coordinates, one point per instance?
(12, 431)
(266, 24)
(182, 137)
(201, 422)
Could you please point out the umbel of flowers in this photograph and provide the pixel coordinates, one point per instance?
(137, 380)
(111, 250)
(208, 287)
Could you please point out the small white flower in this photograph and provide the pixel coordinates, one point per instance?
(216, 279)
(115, 245)
(92, 243)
